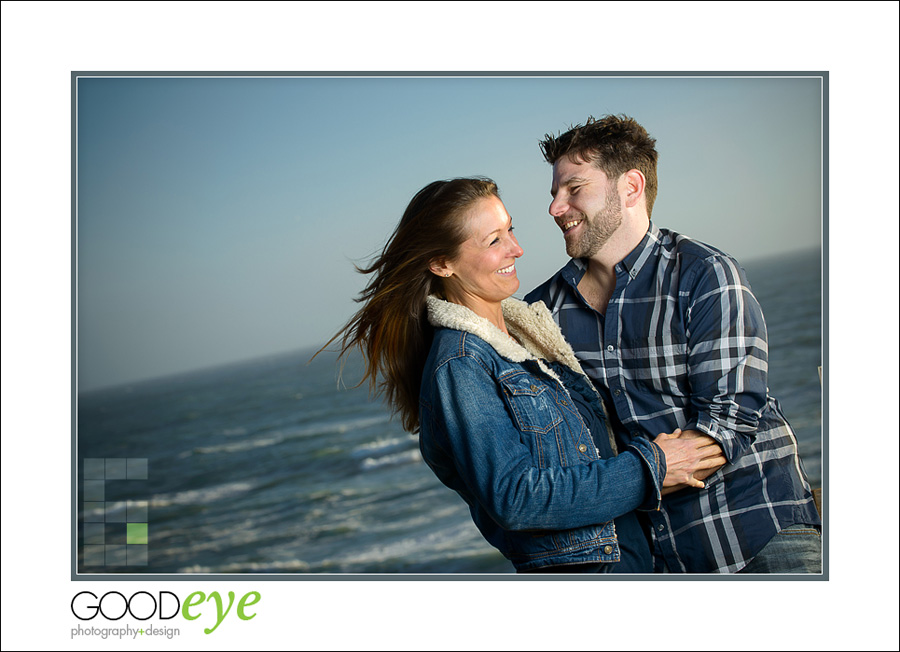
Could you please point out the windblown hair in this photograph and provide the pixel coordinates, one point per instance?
(392, 329)
(614, 144)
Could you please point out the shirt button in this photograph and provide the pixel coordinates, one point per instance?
(607, 550)
(617, 392)
(610, 348)
(582, 448)
(660, 527)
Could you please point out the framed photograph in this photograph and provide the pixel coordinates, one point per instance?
(218, 219)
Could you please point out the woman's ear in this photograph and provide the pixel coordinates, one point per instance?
(440, 267)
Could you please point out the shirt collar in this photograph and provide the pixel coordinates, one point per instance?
(573, 271)
(634, 261)
(631, 264)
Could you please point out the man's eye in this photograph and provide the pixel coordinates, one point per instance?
(573, 191)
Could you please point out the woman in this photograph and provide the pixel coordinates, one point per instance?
(506, 416)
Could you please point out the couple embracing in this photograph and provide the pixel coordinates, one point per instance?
(615, 421)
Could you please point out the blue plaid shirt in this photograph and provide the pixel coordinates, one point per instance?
(683, 345)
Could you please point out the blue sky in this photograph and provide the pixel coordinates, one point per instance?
(219, 218)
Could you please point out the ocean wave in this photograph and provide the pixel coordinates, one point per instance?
(406, 457)
(236, 447)
(338, 427)
(459, 542)
(290, 566)
(201, 496)
(384, 446)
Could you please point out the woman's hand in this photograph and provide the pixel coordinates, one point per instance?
(691, 457)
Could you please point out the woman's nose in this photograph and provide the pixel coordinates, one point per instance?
(516, 250)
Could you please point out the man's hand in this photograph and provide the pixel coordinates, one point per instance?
(691, 457)
(712, 449)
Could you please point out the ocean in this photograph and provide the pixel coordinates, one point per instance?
(269, 466)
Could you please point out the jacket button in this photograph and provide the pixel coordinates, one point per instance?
(607, 550)
(582, 448)
(534, 388)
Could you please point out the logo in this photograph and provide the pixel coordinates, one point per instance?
(143, 606)
(115, 533)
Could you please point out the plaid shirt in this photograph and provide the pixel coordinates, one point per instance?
(683, 345)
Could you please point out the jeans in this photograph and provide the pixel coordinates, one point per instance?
(796, 549)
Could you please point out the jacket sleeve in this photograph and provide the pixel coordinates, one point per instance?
(474, 446)
(727, 355)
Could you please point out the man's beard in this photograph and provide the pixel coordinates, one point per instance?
(598, 229)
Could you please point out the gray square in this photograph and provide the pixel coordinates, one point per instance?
(116, 534)
(115, 556)
(94, 555)
(137, 555)
(94, 490)
(137, 511)
(137, 468)
(115, 512)
(93, 512)
(94, 468)
(115, 468)
(94, 534)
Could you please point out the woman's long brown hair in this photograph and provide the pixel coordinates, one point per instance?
(391, 329)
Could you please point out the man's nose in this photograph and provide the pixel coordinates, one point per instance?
(558, 207)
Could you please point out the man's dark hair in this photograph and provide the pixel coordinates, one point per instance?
(614, 144)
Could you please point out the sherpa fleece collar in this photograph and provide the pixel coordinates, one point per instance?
(531, 324)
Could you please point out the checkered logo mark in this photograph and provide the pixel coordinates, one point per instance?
(105, 522)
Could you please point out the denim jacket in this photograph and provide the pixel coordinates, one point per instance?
(499, 426)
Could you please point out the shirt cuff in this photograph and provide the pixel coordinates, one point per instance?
(733, 445)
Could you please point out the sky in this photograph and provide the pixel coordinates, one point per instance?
(219, 218)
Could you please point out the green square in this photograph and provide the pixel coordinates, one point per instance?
(137, 533)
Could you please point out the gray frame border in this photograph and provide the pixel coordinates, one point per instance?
(76, 576)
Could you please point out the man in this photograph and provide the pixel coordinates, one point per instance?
(672, 336)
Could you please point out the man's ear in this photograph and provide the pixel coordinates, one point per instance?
(634, 183)
(440, 267)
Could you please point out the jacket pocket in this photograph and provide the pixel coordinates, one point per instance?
(530, 402)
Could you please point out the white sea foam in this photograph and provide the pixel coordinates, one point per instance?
(237, 447)
(289, 566)
(406, 457)
(336, 428)
(201, 496)
(455, 542)
(381, 446)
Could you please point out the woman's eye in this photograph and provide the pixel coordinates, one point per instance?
(496, 240)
